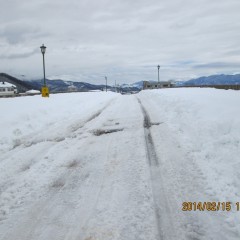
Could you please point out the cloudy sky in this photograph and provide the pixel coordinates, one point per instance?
(123, 39)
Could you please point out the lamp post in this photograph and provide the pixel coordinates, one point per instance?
(106, 82)
(45, 90)
(158, 73)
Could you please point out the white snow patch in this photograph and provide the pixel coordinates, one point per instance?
(60, 180)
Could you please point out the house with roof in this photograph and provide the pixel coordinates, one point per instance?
(7, 89)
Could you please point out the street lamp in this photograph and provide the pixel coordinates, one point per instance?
(45, 90)
(158, 73)
(106, 82)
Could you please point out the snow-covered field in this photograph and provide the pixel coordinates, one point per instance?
(101, 166)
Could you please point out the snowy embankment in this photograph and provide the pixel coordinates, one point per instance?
(105, 166)
(206, 122)
(198, 142)
(46, 119)
(77, 174)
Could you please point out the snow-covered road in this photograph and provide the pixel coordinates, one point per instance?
(89, 166)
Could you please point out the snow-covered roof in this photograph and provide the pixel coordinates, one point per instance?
(72, 86)
(33, 91)
(6, 84)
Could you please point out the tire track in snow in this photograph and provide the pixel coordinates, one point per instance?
(92, 117)
(62, 200)
(72, 129)
(151, 153)
(59, 202)
(162, 209)
(9, 183)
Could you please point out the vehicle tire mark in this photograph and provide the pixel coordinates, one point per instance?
(165, 227)
(151, 152)
(89, 119)
(25, 142)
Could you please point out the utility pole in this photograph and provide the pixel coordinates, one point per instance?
(106, 82)
(158, 73)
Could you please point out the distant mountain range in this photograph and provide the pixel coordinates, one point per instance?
(213, 80)
(59, 85)
(64, 86)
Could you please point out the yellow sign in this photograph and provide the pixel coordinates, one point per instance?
(45, 92)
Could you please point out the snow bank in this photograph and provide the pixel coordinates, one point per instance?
(27, 116)
(66, 182)
(61, 180)
(198, 141)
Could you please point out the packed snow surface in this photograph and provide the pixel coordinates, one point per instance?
(105, 166)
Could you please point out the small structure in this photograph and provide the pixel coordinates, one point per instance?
(72, 88)
(155, 85)
(33, 92)
(7, 89)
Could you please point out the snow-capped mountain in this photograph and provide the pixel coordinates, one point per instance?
(59, 85)
(215, 80)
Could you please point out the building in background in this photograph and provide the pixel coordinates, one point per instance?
(156, 85)
(7, 89)
(72, 88)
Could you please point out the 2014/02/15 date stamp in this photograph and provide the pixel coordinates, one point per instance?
(210, 206)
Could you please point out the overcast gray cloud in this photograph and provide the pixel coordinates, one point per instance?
(124, 39)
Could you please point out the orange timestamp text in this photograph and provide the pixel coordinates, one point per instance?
(210, 206)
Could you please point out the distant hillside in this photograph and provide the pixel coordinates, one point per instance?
(214, 80)
(59, 85)
(138, 85)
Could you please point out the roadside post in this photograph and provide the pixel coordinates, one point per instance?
(45, 89)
